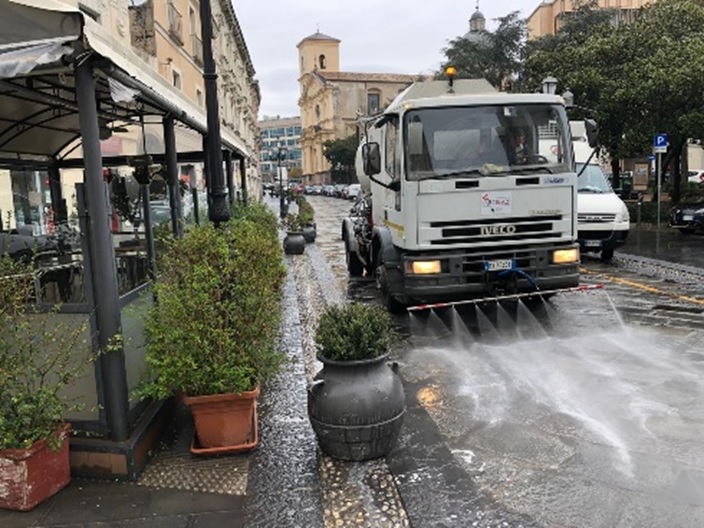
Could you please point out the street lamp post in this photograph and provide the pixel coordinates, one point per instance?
(219, 210)
(279, 155)
(549, 85)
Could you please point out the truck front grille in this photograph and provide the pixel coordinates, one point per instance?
(600, 218)
(496, 230)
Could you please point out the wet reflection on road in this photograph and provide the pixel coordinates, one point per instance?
(559, 411)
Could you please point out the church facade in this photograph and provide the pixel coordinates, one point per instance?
(331, 100)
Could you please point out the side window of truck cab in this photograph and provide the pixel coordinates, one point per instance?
(392, 152)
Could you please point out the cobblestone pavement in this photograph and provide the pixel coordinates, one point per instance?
(447, 471)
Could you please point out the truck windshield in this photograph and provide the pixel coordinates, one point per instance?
(485, 140)
(592, 180)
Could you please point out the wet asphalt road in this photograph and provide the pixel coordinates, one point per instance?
(585, 412)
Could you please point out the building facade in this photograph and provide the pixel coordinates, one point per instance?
(277, 132)
(166, 34)
(547, 17)
(331, 100)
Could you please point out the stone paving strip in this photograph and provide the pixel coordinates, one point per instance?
(354, 493)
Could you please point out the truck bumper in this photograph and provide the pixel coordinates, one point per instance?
(597, 240)
(464, 276)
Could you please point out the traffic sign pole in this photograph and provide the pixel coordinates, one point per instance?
(659, 176)
(660, 143)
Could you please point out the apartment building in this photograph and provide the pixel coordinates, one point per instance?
(166, 34)
(547, 17)
(278, 132)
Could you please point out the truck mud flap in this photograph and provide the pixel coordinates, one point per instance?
(505, 298)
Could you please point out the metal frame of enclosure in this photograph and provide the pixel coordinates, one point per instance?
(63, 78)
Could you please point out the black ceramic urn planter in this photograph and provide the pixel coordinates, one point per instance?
(309, 233)
(356, 408)
(294, 243)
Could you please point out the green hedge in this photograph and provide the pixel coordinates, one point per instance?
(649, 212)
(214, 326)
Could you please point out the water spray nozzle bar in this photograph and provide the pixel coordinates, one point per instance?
(501, 298)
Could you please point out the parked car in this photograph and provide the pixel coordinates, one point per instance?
(696, 176)
(687, 217)
(354, 191)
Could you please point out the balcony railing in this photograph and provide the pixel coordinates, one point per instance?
(197, 49)
(175, 24)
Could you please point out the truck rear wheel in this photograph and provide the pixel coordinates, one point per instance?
(354, 265)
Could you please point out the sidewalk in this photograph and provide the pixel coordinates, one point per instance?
(276, 484)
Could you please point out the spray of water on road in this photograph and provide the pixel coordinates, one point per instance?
(609, 384)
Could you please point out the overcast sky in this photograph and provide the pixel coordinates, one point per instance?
(390, 36)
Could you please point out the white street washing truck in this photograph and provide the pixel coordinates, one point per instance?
(459, 202)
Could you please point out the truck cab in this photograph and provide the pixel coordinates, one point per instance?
(464, 199)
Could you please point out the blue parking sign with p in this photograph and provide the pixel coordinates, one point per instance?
(660, 143)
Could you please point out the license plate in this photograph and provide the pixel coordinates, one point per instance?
(498, 265)
(687, 218)
(592, 243)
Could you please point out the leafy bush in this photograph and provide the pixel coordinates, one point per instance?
(38, 359)
(305, 210)
(353, 331)
(214, 327)
(649, 212)
(293, 222)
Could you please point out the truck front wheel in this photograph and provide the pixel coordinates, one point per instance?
(392, 304)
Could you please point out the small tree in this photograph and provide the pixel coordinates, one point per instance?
(495, 56)
(341, 153)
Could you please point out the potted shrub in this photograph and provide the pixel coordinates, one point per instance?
(38, 359)
(306, 214)
(212, 333)
(356, 403)
(294, 241)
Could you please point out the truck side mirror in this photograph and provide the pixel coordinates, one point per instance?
(372, 158)
(592, 130)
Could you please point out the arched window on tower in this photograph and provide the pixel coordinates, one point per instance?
(303, 64)
(321, 62)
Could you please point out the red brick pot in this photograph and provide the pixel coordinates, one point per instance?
(225, 420)
(30, 476)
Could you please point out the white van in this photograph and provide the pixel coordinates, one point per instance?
(603, 221)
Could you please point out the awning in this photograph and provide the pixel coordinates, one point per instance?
(30, 22)
(38, 112)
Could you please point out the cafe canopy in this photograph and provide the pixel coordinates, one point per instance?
(42, 42)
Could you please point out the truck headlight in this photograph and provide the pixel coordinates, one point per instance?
(565, 256)
(424, 267)
(623, 215)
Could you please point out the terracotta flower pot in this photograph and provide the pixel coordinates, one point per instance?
(30, 476)
(224, 421)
